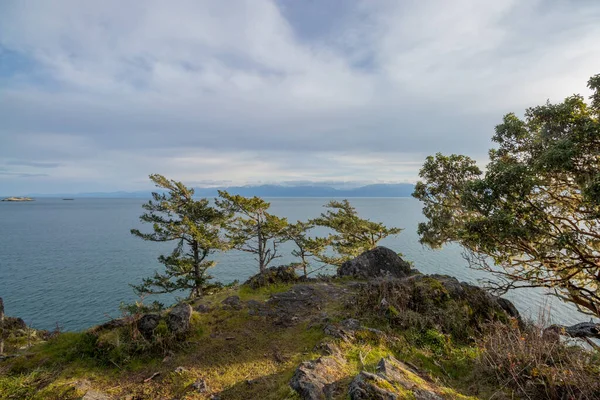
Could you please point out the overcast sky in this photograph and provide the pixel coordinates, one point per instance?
(96, 95)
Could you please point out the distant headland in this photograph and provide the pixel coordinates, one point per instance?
(299, 190)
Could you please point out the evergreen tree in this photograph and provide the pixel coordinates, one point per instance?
(194, 226)
(253, 229)
(306, 247)
(351, 235)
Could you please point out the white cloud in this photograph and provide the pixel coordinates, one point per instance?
(252, 90)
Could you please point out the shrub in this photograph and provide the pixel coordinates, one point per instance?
(536, 364)
(422, 303)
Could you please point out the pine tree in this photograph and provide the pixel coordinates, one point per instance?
(194, 226)
(306, 246)
(351, 235)
(253, 229)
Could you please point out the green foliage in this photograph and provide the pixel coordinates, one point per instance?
(535, 212)
(253, 229)
(306, 247)
(194, 225)
(351, 235)
(138, 307)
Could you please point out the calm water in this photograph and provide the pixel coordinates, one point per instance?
(70, 262)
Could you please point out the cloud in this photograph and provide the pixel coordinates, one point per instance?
(36, 164)
(255, 90)
(21, 174)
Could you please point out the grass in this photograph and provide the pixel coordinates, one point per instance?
(242, 356)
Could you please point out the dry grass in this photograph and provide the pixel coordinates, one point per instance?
(536, 365)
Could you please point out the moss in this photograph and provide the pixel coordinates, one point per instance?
(245, 356)
(262, 293)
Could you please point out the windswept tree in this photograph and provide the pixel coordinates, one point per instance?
(306, 247)
(533, 218)
(195, 228)
(252, 229)
(351, 234)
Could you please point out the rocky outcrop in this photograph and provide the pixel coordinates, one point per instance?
(434, 302)
(393, 380)
(178, 319)
(282, 274)
(380, 261)
(314, 380)
(232, 302)
(147, 324)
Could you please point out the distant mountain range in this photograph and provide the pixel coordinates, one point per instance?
(375, 190)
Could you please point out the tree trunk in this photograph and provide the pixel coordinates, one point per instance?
(261, 249)
(1, 326)
(197, 291)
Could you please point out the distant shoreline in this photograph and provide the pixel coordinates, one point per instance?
(18, 199)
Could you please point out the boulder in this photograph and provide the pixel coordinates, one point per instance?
(312, 379)
(394, 380)
(14, 323)
(232, 302)
(434, 302)
(282, 274)
(179, 318)
(344, 330)
(147, 324)
(368, 386)
(203, 308)
(379, 261)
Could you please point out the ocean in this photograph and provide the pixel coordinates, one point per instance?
(69, 263)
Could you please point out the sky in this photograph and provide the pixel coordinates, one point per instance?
(97, 95)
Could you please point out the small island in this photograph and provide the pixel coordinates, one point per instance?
(18, 199)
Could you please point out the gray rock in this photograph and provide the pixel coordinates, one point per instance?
(390, 369)
(203, 308)
(312, 378)
(179, 318)
(421, 394)
(508, 307)
(390, 373)
(90, 394)
(344, 330)
(200, 386)
(281, 274)
(95, 395)
(147, 324)
(233, 302)
(380, 261)
(366, 386)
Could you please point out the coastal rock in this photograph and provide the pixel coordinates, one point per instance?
(282, 274)
(368, 386)
(434, 302)
(394, 380)
(147, 324)
(232, 302)
(14, 323)
(179, 318)
(344, 330)
(203, 308)
(313, 379)
(379, 261)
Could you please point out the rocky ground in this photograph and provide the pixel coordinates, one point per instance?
(378, 331)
